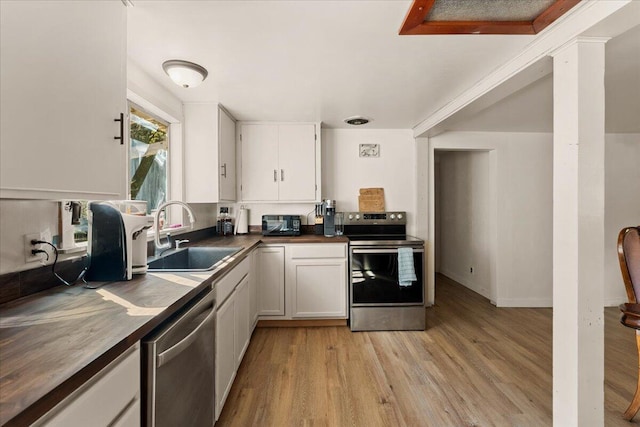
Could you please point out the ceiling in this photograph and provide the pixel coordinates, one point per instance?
(531, 108)
(313, 60)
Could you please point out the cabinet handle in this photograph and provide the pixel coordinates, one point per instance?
(281, 174)
(224, 169)
(121, 120)
(275, 175)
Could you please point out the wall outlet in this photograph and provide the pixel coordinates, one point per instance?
(471, 270)
(28, 247)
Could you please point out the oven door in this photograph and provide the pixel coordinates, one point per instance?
(374, 278)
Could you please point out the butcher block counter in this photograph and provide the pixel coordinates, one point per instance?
(54, 341)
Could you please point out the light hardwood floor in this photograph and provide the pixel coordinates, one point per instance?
(475, 365)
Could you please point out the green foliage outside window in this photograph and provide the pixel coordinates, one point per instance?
(148, 158)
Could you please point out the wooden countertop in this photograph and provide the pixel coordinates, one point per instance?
(54, 341)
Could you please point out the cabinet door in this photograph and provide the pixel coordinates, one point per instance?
(242, 319)
(201, 174)
(259, 162)
(63, 83)
(297, 162)
(103, 399)
(318, 287)
(227, 163)
(271, 281)
(225, 352)
(253, 290)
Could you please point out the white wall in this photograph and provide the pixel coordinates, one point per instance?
(143, 85)
(462, 218)
(622, 205)
(344, 173)
(520, 206)
(523, 253)
(20, 217)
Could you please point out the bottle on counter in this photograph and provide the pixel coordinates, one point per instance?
(224, 224)
(319, 220)
(329, 218)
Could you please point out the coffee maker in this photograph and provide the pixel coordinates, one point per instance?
(117, 238)
(329, 218)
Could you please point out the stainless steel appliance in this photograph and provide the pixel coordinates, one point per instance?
(281, 225)
(378, 301)
(179, 368)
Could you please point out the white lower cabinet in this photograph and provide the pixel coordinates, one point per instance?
(316, 280)
(242, 326)
(232, 329)
(253, 289)
(225, 354)
(110, 398)
(271, 281)
(302, 281)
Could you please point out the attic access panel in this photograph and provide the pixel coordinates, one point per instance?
(483, 16)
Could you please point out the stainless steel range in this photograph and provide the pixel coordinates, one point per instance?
(382, 297)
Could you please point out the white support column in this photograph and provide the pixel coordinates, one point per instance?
(578, 233)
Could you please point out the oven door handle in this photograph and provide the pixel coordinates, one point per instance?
(382, 251)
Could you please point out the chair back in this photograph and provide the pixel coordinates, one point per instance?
(629, 258)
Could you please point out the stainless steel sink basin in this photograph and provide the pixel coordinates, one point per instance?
(191, 259)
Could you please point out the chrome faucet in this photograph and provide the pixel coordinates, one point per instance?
(179, 242)
(156, 222)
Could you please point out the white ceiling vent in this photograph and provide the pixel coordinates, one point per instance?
(357, 120)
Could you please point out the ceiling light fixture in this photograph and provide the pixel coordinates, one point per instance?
(184, 73)
(356, 120)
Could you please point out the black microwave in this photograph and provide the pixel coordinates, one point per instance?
(280, 225)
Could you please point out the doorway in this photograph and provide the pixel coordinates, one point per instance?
(462, 210)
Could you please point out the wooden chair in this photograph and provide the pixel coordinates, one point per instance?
(629, 257)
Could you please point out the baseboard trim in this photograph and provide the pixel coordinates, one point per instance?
(614, 302)
(306, 323)
(463, 281)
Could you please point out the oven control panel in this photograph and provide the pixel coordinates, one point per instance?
(375, 218)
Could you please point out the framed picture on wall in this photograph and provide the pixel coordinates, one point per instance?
(369, 150)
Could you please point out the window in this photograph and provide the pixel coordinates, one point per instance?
(148, 157)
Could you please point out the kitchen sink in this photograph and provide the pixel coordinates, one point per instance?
(192, 259)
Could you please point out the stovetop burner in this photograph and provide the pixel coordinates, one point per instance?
(391, 240)
(378, 229)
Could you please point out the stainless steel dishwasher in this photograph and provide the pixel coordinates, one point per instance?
(178, 376)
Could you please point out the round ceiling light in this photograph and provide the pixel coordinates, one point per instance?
(357, 120)
(184, 73)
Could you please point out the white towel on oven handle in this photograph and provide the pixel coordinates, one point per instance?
(406, 269)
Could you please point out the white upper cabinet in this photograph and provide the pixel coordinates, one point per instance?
(227, 150)
(297, 162)
(209, 153)
(259, 162)
(63, 82)
(280, 162)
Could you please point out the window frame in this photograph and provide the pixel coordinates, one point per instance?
(175, 158)
(132, 105)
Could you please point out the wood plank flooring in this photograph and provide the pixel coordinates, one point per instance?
(475, 365)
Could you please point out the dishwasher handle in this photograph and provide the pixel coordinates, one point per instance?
(173, 351)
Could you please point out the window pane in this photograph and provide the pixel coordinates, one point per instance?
(148, 158)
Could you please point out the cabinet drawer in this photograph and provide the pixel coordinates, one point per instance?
(226, 285)
(103, 398)
(329, 250)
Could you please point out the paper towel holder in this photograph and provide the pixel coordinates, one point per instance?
(242, 221)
